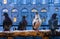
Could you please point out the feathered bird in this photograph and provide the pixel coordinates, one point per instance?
(6, 22)
(36, 22)
(53, 22)
(22, 24)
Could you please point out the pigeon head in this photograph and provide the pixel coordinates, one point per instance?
(5, 14)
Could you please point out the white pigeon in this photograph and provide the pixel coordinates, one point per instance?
(36, 22)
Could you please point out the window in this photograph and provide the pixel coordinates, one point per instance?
(0, 2)
(5, 1)
(24, 1)
(5, 10)
(43, 10)
(12, 2)
(34, 10)
(14, 10)
(43, 1)
(33, 1)
(15, 1)
(14, 19)
(56, 1)
(51, 1)
(24, 10)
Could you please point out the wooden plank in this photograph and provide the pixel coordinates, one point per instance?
(10, 38)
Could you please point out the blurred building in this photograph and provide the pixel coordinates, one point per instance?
(17, 8)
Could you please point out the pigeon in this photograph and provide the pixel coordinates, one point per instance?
(22, 24)
(7, 22)
(36, 22)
